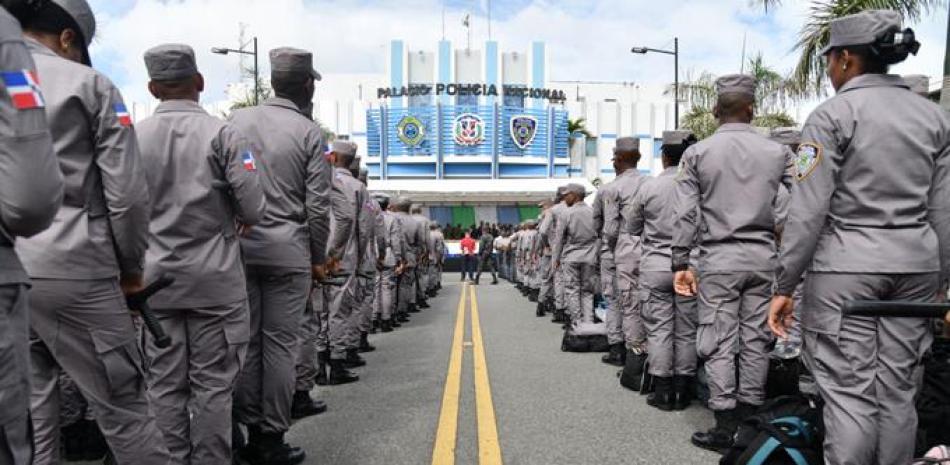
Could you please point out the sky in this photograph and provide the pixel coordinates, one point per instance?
(586, 39)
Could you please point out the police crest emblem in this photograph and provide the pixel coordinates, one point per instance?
(469, 129)
(808, 157)
(410, 130)
(523, 128)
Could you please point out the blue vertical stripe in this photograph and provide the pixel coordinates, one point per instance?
(445, 67)
(491, 66)
(537, 69)
(397, 57)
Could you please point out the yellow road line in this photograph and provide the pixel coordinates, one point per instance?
(444, 451)
(489, 451)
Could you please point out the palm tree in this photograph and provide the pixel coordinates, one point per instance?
(578, 125)
(808, 78)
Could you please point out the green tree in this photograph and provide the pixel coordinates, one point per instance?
(809, 75)
(576, 125)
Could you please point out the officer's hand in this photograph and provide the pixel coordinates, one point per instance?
(243, 229)
(380, 265)
(131, 283)
(319, 272)
(557, 265)
(946, 319)
(333, 265)
(684, 282)
(781, 313)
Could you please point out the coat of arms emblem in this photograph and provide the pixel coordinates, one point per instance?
(469, 129)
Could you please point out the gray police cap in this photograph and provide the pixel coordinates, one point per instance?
(736, 84)
(918, 83)
(403, 202)
(80, 11)
(862, 28)
(627, 144)
(576, 189)
(343, 147)
(786, 136)
(292, 61)
(677, 137)
(170, 62)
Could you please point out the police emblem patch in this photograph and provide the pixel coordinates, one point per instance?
(808, 157)
(523, 128)
(410, 130)
(469, 129)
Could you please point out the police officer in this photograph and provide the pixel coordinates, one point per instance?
(869, 220)
(31, 190)
(407, 277)
(347, 245)
(608, 271)
(199, 203)
(387, 279)
(422, 251)
(733, 177)
(372, 223)
(545, 298)
(436, 259)
(576, 252)
(625, 328)
(284, 252)
(94, 251)
(486, 255)
(528, 245)
(670, 319)
(550, 281)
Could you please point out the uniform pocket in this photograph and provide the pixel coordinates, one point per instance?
(707, 337)
(122, 361)
(646, 304)
(237, 334)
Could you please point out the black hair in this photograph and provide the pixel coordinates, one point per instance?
(51, 18)
(176, 89)
(292, 87)
(673, 153)
(889, 49)
(23, 10)
(383, 202)
(733, 103)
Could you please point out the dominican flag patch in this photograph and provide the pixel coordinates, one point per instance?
(24, 89)
(248, 159)
(122, 113)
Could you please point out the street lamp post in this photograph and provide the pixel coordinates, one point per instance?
(676, 73)
(257, 83)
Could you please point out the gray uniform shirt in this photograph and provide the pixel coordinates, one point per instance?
(348, 239)
(650, 216)
(410, 237)
(393, 237)
(734, 177)
(547, 228)
(422, 232)
(372, 220)
(296, 178)
(436, 246)
(31, 185)
(201, 187)
(625, 246)
(877, 200)
(577, 238)
(101, 230)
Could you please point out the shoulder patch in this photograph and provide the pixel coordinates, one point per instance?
(681, 168)
(122, 113)
(808, 157)
(247, 158)
(24, 89)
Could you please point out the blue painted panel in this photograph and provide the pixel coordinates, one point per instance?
(537, 69)
(373, 169)
(538, 147)
(491, 66)
(397, 56)
(657, 147)
(404, 170)
(373, 134)
(508, 214)
(429, 118)
(441, 215)
(561, 136)
(560, 171)
(608, 135)
(450, 148)
(445, 67)
(522, 171)
(471, 170)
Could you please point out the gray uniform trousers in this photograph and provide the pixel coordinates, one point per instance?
(422, 278)
(608, 286)
(277, 297)
(191, 382)
(546, 270)
(407, 289)
(84, 328)
(15, 445)
(336, 321)
(560, 292)
(384, 305)
(628, 300)
(671, 321)
(579, 289)
(307, 355)
(361, 318)
(864, 367)
(733, 313)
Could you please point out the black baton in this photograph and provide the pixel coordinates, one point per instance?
(139, 302)
(895, 309)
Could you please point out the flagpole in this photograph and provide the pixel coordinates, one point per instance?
(489, 19)
(443, 20)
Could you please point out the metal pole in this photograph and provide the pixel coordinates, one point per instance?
(945, 88)
(676, 83)
(257, 78)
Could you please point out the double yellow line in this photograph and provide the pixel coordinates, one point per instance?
(489, 451)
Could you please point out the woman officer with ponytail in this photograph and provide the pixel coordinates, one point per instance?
(869, 220)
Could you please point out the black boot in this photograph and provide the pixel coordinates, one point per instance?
(423, 303)
(662, 395)
(238, 441)
(270, 449)
(364, 343)
(386, 326)
(539, 312)
(743, 411)
(353, 359)
(532, 295)
(632, 375)
(322, 359)
(413, 308)
(682, 392)
(616, 356)
(402, 318)
(719, 438)
(339, 375)
(375, 327)
(304, 406)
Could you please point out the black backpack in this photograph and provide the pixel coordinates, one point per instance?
(933, 400)
(786, 430)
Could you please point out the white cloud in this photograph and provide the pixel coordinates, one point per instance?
(585, 39)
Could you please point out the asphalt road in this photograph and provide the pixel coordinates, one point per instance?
(550, 407)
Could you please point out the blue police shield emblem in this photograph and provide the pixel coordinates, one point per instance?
(410, 130)
(523, 129)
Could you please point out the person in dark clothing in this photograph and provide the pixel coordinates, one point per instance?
(486, 255)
